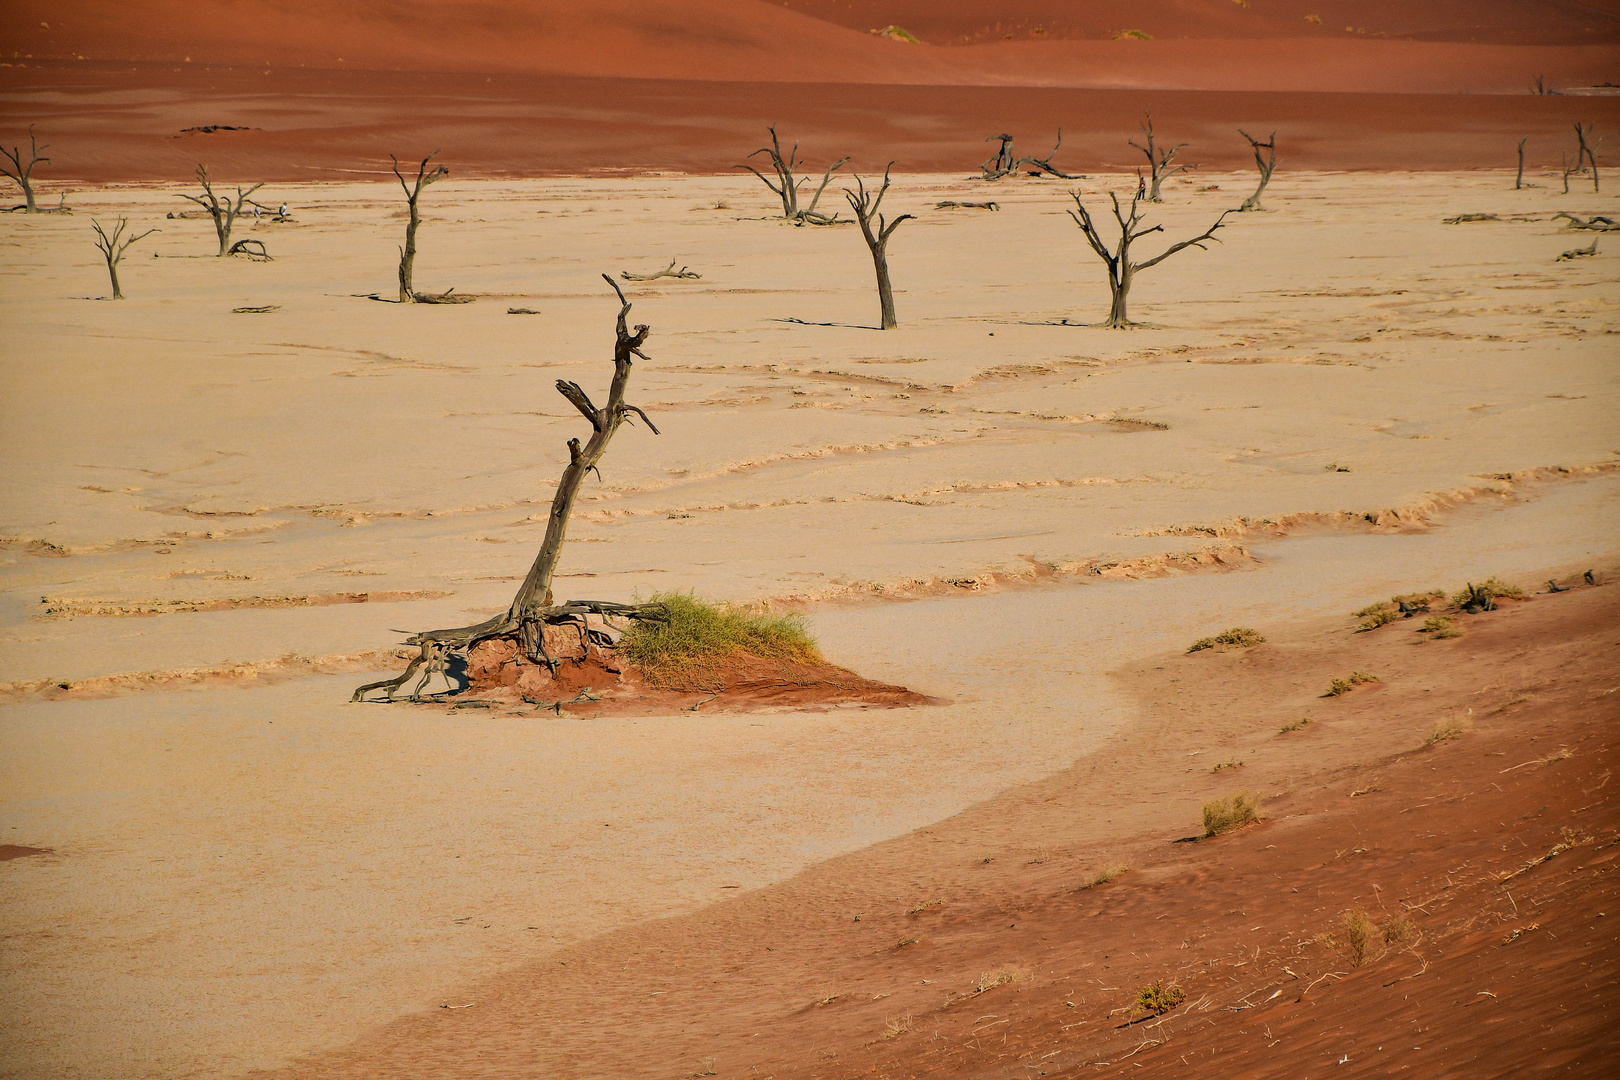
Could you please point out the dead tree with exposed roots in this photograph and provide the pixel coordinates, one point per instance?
(1159, 160)
(787, 185)
(1005, 162)
(1121, 269)
(407, 254)
(223, 210)
(1266, 164)
(22, 173)
(113, 247)
(533, 609)
(866, 205)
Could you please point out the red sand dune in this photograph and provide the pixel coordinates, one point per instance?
(550, 87)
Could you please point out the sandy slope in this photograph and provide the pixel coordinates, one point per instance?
(244, 873)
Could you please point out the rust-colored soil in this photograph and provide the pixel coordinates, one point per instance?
(596, 682)
(871, 964)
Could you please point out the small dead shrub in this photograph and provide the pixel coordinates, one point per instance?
(1440, 626)
(1156, 999)
(1344, 686)
(1451, 727)
(1358, 933)
(1231, 812)
(1295, 726)
(1241, 636)
(1397, 930)
(1000, 977)
(1378, 615)
(897, 1027)
(1106, 874)
(1234, 764)
(1492, 587)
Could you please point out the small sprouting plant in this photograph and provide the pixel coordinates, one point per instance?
(1450, 728)
(1295, 726)
(1230, 812)
(1241, 636)
(1358, 932)
(1156, 999)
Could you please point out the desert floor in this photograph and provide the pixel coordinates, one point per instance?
(1000, 503)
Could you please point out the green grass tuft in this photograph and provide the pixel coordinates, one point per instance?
(1238, 635)
(1493, 587)
(699, 634)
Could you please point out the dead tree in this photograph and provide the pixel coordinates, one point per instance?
(24, 174)
(1121, 270)
(1004, 162)
(787, 187)
(532, 609)
(1159, 160)
(407, 254)
(668, 271)
(1265, 164)
(866, 206)
(224, 211)
(1518, 181)
(113, 248)
(1584, 156)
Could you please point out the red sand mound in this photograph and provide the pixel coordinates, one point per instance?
(593, 681)
(1485, 864)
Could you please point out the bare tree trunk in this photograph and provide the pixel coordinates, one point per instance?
(532, 608)
(1584, 155)
(1518, 181)
(21, 173)
(1265, 165)
(866, 206)
(413, 192)
(1159, 160)
(1007, 163)
(112, 248)
(1121, 269)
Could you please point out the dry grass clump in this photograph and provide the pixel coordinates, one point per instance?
(1492, 587)
(1359, 933)
(699, 634)
(1440, 626)
(1374, 618)
(1344, 686)
(897, 1027)
(1397, 930)
(1295, 726)
(1231, 812)
(1239, 635)
(1156, 999)
(1000, 976)
(1450, 728)
(1105, 875)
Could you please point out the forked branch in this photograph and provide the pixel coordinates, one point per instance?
(787, 184)
(24, 174)
(1159, 160)
(407, 254)
(223, 210)
(112, 248)
(1122, 268)
(867, 206)
(1266, 165)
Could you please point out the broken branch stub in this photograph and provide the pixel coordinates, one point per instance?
(532, 609)
(1121, 269)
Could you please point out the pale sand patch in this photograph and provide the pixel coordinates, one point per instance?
(240, 876)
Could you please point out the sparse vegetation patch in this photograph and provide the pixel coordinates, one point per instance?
(1231, 812)
(1344, 686)
(1241, 636)
(1450, 728)
(1106, 874)
(1156, 999)
(698, 634)
(1295, 726)
(1440, 626)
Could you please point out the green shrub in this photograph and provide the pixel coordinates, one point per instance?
(1344, 686)
(1238, 635)
(1156, 999)
(699, 634)
(1492, 587)
(1230, 812)
(1377, 616)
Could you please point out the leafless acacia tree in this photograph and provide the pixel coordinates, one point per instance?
(787, 187)
(866, 205)
(1004, 162)
(1266, 164)
(113, 247)
(1159, 160)
(24, 174)
(1121, 269)
(532, 609)
(1584, 156)
(223, 210)
(407, 254)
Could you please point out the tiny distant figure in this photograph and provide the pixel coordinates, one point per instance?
(1141, 185)
(283, 211)
(1590, 578)
(256, 209)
